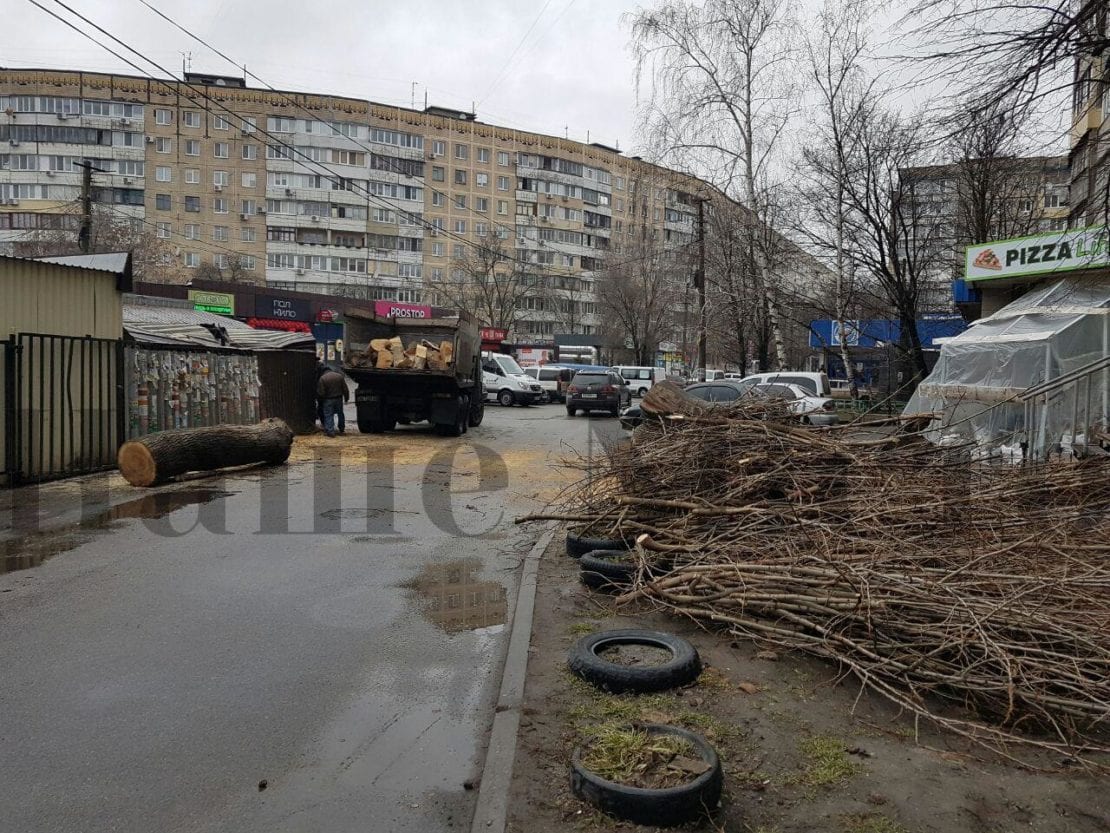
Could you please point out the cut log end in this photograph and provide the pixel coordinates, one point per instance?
(136, 464)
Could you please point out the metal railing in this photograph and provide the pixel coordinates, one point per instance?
(1087, 390)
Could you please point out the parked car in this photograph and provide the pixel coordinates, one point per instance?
(597, 391)
(811, 410)
(816, 384)
(504, 380)
(641, 379)
(548, 377)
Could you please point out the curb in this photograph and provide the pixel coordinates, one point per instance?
(491, 812)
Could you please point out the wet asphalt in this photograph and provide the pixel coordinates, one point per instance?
(311, 648)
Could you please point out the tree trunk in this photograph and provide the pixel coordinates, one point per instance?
(157, 458)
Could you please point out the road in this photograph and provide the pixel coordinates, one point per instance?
(311, 648)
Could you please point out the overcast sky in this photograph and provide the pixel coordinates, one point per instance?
(572, 68)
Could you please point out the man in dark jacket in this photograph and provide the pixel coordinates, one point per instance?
(332, 391)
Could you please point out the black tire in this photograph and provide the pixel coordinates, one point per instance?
(615, 412)
(605, 570)
(683, 667)
(642, 392)
(656, 808)
(578, 545)
(462, 416)
(506, 398)
(572, 412)
(477, 413)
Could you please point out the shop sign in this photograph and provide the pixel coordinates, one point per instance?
(494, 334)
(394, 309)
(1037, 255)
(283, 309)
(220, 303)
(326, 316)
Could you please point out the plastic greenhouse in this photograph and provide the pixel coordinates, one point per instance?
(1030, 380)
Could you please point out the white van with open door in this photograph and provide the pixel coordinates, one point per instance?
(640, 379)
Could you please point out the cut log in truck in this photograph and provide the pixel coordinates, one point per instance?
(415, 369)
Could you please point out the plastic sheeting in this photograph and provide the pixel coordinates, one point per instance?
(188, 389)
(982, 373)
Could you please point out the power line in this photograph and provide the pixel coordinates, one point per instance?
(512, 55)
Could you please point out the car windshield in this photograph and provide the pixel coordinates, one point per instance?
(509, 366)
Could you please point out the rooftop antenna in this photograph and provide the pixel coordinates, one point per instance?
(587, 137)
(186, 63)
(425, 98)
(566, 131)
(414, 83)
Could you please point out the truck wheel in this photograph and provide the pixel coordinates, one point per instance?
(506, 398)
(464, 407)
(462, 415)
(571, 411)
(477, 411)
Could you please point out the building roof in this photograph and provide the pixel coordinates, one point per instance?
(186, 327)
(116, 262)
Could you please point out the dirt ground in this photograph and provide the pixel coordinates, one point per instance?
(802, 751)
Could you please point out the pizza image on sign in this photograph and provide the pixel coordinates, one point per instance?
(987, 260)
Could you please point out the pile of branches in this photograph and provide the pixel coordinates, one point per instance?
(978, 597)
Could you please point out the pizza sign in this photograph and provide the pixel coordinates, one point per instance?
(1042, 254)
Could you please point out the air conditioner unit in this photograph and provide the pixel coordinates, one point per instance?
(63, 116)
(150, 140)
(125, 122)
(431, 156)
(50, 173)
(289, 192)
(13, 142)
(244, 216)
(13, 202)
(315, 219)
(218, 187)
(262, 211)
(298, 271)
(521, 240)
(127, 180)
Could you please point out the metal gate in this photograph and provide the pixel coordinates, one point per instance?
(63, 411)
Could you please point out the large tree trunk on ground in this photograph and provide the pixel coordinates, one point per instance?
(159, 457)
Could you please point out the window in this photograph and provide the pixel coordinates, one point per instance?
(221, 261)
(250, 151)
(460, 177)
(192, 231)
(481, 229)
(502, 206)
(163, 144)
(249, 207)
(481, 180)
(165, 230)
(163, 116)
(248, 234)
(192, 176)
(220, 123)
(460, 226)
(249, 180)
(1051, 200)
(437, 198)
(462, 151)
(219, 234)
(439, 148)
(192, 260)
(437, 173)
(192, 204)
(437, 249)
(163, 173)
(220, 151)
(502, 183)
(192, 147)
(162, 202)
(249, 124)
(483, 154)
(220, 178)
(437, 274)
(457, 251)
(219, 205)
(481, 204)
(190, 118)
(460, 201)
(278, 125)
(247, 261)
(503, 158)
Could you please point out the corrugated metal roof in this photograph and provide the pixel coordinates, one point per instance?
(114, 262)
(165, 325)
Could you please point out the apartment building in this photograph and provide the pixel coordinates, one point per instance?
(331, 194)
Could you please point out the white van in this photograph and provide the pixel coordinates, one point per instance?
(815, 384)
(548, 377)
(505, 381)
(641, 379)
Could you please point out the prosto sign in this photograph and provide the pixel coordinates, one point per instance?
(1038, 255)
(395, 309)
(220, 303)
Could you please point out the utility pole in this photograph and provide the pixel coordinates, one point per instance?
(84, 236)
(699, 278)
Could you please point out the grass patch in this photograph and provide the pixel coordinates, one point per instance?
(827, 762)
(870, 823)
(712, 679)
(637, 758)
(581, 628)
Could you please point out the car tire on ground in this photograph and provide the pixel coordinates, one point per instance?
(683, 667)
(667, 807)
(606, 570)
(572, 411)
(506, 398)
(579, 545)
(642, 392)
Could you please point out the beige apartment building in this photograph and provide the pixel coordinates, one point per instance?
(329, 194)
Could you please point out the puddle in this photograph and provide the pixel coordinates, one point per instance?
(32, 550)
(456, 601)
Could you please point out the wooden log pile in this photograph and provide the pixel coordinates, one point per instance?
(392, 353)
(977, 597)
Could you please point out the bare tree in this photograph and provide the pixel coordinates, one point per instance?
(489, 283)
(637, 297)
(721, 97)
(233, 270)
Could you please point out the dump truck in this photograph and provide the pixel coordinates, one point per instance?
(415, 369)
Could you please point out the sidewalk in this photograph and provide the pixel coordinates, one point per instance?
(800, 752)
